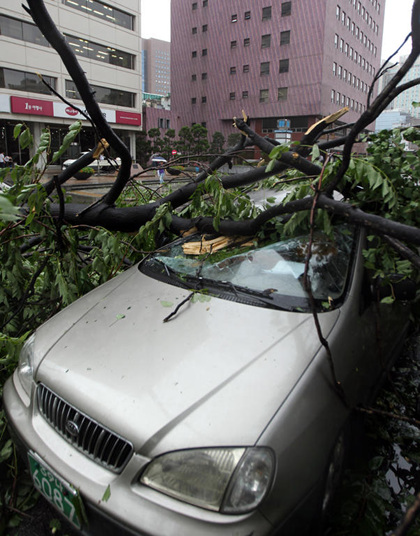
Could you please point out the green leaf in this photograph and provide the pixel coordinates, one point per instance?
(315, 152)
(166, 303)
(25, 139)
(270, 166)
(17, 130)
(74, 130)
(107, 494)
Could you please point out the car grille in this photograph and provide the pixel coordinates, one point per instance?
(93, 439)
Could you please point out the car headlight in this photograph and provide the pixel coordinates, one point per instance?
(227, 480)
(25, 367)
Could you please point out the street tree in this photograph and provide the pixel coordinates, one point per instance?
(217, 143)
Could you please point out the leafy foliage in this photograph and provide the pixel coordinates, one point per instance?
(381, 482)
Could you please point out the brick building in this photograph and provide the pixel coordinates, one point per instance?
(286, 63)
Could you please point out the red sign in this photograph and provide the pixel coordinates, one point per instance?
(23, 105)
(174, 152)
(128, 118)
(71, 111)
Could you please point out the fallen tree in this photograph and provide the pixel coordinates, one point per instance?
(54, 250)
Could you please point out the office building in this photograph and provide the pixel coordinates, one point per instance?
(404, 101)
(156, 59)
(286, 63)
(106, 40)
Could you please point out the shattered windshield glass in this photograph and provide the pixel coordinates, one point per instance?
(275, 269)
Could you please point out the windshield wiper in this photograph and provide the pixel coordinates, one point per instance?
(262, 298)
(248, 295)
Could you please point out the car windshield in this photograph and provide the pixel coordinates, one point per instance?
(271, 275)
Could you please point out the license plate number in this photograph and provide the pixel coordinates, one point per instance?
(59, 493)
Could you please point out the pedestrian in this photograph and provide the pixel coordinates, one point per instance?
(161, 173)
(2, 161)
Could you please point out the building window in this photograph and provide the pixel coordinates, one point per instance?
(204, 52)
(233, 70)
(334, 69)
(193, 100)
(247, 42)
(233, 44)
(24, 31)
(266, 41)
(203, 76)
(285, 37)
(265, 68)
(232, 96)
(205, 28)
(338, 13)
(234, 18)
(340, 70)
(286, 9)
(203, 100)
(95, 51)
(264, 95)
(193, 77)
(244, 94)
(247, 15)
(284, 66)
(266, 13)
(205, 3)
(194, 30)
(194, 6)
(103, 11)
(24, 81)
(194, 54)
(245, 68)
(282, 93)
(332, 96)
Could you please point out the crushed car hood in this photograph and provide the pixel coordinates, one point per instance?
(214, 374)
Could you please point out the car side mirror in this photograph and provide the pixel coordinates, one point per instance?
(396, 286)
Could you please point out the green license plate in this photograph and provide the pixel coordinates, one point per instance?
(59, 493)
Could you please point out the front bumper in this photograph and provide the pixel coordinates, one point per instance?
(131, 509)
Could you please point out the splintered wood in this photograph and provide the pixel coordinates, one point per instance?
(215, 244)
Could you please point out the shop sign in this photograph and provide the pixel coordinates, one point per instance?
(23, 105)
(64, 110)
(128, 118)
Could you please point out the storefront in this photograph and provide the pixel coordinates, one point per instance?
(57, 116)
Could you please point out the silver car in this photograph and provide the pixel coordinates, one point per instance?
(191, 395)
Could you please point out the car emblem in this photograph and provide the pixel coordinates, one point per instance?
(72, 428)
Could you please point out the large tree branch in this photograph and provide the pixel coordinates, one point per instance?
(130, 219)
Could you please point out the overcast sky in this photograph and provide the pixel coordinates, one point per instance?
(156, 22)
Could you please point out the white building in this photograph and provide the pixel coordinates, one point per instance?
(404, 101)
(106, 39)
